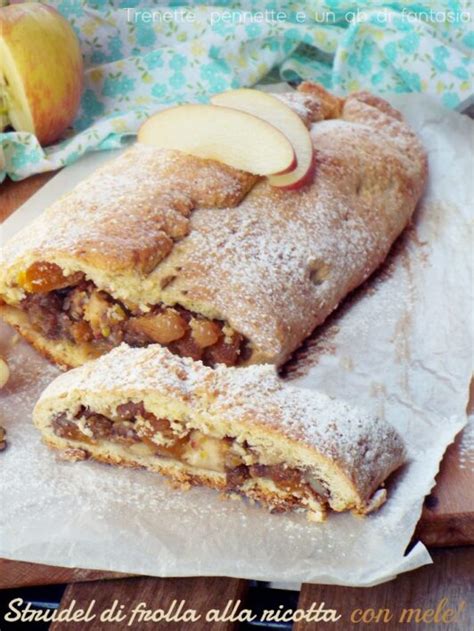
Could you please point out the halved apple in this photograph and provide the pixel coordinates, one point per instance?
(278, 114)
(224, 134)
(41, 70)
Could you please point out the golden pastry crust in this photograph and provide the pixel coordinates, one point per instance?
(275, 425)
(285, 260)
(272, 264)
(324, 104)
(64, 353)
(126, 216)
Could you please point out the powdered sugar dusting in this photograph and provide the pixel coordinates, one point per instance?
(274, 266)
(365, 447)
(303, 104)
(103, 504)
(279, 263)
(134, 369)
(96, 516)
(91, 515)
(138, 203)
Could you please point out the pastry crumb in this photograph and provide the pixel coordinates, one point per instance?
(3, 441)
(179, 485)
(4, 372)
(72, 455)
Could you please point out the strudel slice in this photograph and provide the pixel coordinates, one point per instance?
(238, 430)
(215, 264)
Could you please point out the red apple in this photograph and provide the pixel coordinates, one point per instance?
(41, 71)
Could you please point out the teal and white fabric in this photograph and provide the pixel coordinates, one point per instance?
(141, 55)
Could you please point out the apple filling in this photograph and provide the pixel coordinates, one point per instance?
(146, 435)
(73, 309)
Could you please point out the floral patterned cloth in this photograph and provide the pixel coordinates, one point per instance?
(153, 54)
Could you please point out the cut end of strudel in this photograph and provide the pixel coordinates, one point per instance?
(239, 430)
(158, 246)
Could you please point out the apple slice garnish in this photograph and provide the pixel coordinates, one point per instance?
(228, 135)
(278, 114)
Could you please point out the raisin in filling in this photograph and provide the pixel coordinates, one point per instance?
(73, 309)
(134, 425)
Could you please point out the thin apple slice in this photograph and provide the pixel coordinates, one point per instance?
(295, 179)
(227, 135)
(278, 114)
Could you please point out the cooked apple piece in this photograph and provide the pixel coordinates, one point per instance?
(206, 452)
(95, 313)
(41, 70)
(238, 139)
(4, 373)
(278, 114)
(164, 328)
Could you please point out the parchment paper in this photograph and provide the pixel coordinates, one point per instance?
(399, 346)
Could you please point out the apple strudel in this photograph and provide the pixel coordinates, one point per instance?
(158, 246)
(239, 430)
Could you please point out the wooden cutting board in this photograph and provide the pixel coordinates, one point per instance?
(448, 514)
